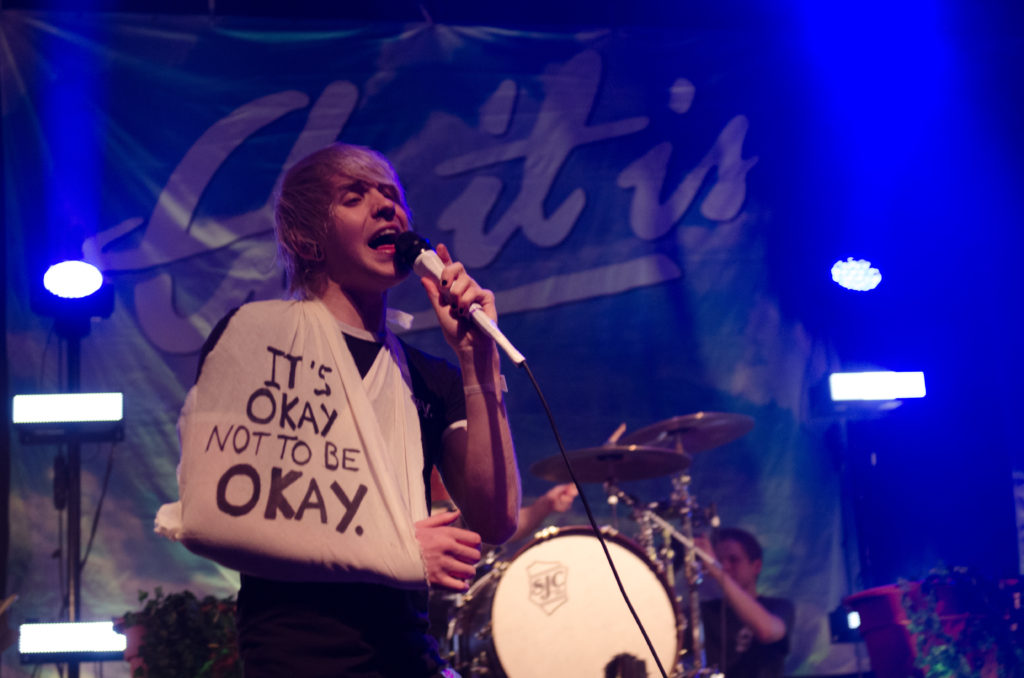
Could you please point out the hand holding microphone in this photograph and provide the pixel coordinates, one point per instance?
(414, 252)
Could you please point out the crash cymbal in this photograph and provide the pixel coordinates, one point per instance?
(612, 463)
(692, 433)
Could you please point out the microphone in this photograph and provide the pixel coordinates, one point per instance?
(413, 251)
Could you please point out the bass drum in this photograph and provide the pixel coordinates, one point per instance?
(555, 610)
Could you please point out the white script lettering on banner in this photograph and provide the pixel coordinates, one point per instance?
(559, 127)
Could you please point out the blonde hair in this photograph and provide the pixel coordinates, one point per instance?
(302, 212)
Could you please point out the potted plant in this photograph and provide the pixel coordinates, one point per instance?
(965, 625)
(179, 635)
(952, 624)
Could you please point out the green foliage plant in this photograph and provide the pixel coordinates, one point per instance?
(183, 636)
(962, 626)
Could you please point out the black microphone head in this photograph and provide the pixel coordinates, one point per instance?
(408, 246)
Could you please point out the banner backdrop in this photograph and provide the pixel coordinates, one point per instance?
(614, 188)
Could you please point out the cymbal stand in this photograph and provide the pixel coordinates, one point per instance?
(645, 538)
(692, 552)
(617, 495)
(668, 554)
(646, 535)
(613, 502)
(647, 517)
(643, 517)
(682, 498)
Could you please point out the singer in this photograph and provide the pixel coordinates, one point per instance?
(323, 507)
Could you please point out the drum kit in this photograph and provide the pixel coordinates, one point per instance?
(554, 608)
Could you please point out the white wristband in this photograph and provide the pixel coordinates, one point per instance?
(470, 389)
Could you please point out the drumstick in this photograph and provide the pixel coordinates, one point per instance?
(686, 541)
(618, 494)
(616, 434)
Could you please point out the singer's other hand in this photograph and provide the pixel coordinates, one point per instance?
(449, 553)
(452, 299)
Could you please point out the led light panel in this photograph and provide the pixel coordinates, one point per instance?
(64, 408)
(69, 641)
(876, 385)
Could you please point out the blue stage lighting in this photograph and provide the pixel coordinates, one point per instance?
(856, 274)
(72, 292)
(72, 279)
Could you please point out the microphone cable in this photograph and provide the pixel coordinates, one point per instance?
(415, 253)
(590, 517)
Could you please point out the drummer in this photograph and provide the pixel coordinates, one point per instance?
(756, 628)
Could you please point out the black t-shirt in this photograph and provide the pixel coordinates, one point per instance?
(745, 657)
(313, 629)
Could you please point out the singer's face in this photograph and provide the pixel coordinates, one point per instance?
(360, 247)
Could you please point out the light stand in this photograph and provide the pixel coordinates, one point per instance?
(860, 396)
(74, 358)
(73, 313)
(69, 418)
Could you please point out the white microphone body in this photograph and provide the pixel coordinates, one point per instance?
(429, 265)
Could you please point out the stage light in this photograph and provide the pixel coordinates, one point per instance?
(73, 292)
(59, 642)
(68, 407)
(845, 386)
(844, 625)
(72, 279)
(60, 417)
(856, 274)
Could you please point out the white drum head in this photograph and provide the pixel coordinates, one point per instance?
(557, 610)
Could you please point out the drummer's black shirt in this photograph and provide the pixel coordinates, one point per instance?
(745, 657)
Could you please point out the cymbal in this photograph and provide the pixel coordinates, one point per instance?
(692, 433)
(611, 462)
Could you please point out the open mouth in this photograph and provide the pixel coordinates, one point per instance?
(385, 238)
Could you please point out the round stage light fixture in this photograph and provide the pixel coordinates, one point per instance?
(72, 292)
(72, 279)
(856, 274)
